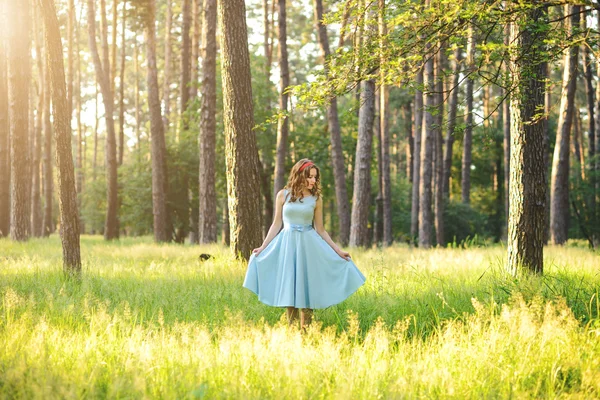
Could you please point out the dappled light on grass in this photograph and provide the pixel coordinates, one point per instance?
(153, 321)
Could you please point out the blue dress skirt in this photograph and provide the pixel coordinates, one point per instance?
(298, 268)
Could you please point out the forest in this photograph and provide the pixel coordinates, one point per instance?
(457, 142)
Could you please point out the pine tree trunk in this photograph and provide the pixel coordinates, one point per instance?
(48, 176)
(333, 123)
(80, 167)
(167, 71)
(71, 45)
(378, 217)
(197, 15)
(67, 193)
(452, 108)
(359, 233)
(559, 213)
(111, 226)
(410, 140)
(414, 224)
(4, 139)
(528, 179)
(122, 86)
(18, 40)
(207, 223)
(159, 168)
(439, 150)
(385, 137)
(427, 143)
(283, 122)
(468, 137)
(36, 143)
(240, 143)
(137, 105)
(506, 123)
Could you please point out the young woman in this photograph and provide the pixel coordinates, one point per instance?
(299, 266)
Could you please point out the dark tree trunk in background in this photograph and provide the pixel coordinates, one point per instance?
(207, 222)
(111, 226)
(468, 137)
(452, 107)
(439, 150)
(283, 124)
(167, 71)
(414, 224)
(426, 169)
(410, 140)
(506, 112)
(386, 187)
(333, 123)
(18, 40)
(559, 197)
(36, 143)
(240, 142)
(359, 233)
(67, 193)
(159, 168)
(122, 86)
(4, 139)
(48, 176)
(528, 180)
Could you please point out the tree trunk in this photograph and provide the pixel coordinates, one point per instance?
(410, 140)
(159, 168)
(111, 226)
(284, 81)
(113, 58)
(452, 108)
(71, 45)
(468, 137)
(240, 143)
(80, 139)
(207, 223)
(506, 124)
(67, 193)
(439, 150)
(167, 71)
(4, 139)
(414, 224)
(122, 86)
(36, 143)
(385, 137)
(589, 91)
(333, 123)
(559, 213)
(359, 232)
(378, 217)
(18, 39)
(138, 116)
(427, 138)
(48, 176)
(197, 15)
(527, 173)
(547, 160)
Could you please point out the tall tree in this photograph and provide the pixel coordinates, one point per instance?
(240, 143)
(283, 122)
(67, 193)
(506, 124)
(121, 146)
(4, 133)
(359, 233)
(468, 137)
(18, 39)
(36, 143)
(48, 175)
(333, 123)
(438, 134)
(207, 223)
(452, 108)
(414, 221)
(427, 141)
(528, 179)
(559, 195)
(102, 68)
(167, 67)
(70, 47)
(385, 135)
(589, 91)
(157, 130)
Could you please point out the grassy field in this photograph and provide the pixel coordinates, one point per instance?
(152, 321)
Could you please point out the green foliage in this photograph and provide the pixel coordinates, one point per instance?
(135, 177)
(93, 208)
(462, 222)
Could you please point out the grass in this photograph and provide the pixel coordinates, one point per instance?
(152, 321)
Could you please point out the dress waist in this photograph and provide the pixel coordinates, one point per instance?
(298, 227)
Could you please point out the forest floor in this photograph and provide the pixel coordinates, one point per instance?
(153, 321)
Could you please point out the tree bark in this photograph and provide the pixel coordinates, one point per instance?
(5, 162)
(36, 143)
(333, 123)
(528, 179)
(468, 137)
(414, 224)
(385, 136)
(240, 143)
(283, 122)
(18, 40)
(589, 91)
(506, 124)
(48, 176)
(361, 199)
(410, 140)
(439, 150)
(426, 169)
(111, 225)
(71, 45)
(452, 108)
(159, 169)
(67, 193)
(167, 71)
(559, 213)
(207, 223)
(122, 85)
(80, 167)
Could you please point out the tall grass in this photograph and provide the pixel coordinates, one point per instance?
(153, 321)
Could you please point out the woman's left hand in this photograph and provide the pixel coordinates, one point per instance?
(344, 254)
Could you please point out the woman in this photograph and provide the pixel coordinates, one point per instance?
(299, 266)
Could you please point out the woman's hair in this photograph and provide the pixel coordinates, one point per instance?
(297, 181)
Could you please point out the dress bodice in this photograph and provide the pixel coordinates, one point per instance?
(299, 212)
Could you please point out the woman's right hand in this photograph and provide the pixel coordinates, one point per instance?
(258, 250)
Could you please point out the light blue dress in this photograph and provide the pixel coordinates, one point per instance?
(298, 268)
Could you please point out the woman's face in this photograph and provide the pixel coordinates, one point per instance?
(312, 179)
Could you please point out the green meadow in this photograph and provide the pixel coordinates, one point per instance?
(153, 321)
